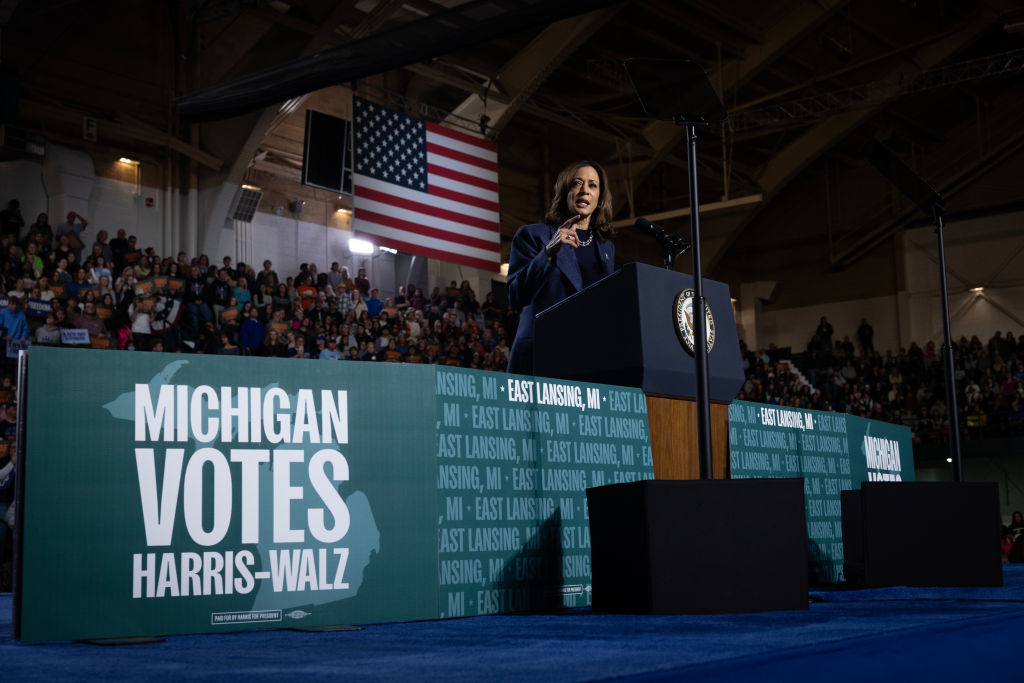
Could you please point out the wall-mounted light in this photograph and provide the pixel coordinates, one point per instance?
(358, 246)
(131, 162)
(344, 212)
(977, 290)
(251, 187)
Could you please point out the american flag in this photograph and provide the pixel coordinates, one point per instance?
(424, 189)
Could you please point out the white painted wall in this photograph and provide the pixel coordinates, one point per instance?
(987, 252)
(23, 180)
(795, 326)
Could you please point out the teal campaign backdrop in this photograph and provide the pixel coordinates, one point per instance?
(833, 452)
(172, 494)
(515, 456)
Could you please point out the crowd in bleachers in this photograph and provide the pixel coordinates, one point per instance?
(129, 297)
(905, 387)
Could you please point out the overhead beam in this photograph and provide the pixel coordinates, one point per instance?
(820, 138)
(666, 137)
(704, 208)
(125, 129)
(520, 77)
(1009, 146)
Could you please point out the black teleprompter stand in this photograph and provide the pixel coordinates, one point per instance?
(662, 546)
(679, 91)
(963, 529)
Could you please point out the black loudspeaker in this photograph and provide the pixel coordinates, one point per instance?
(8, 98)
(922, 534)
(699, 547)
(327, 153)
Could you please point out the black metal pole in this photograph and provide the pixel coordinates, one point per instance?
(700, 348)
(19, 488)
(947, 355)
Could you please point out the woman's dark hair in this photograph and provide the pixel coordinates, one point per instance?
(601, 219)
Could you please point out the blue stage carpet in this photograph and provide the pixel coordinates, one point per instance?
(884, 634)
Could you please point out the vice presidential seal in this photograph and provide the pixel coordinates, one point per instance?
(682, 314)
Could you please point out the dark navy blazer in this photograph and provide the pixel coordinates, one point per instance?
(535, 283)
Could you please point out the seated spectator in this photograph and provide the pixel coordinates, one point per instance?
(48, 334)
(241, 291)
(272, 346)
(227, 347)
(358, 305)
(331, 350)
(20, 291)
(32, 261)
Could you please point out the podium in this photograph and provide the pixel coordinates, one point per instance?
(622, 330)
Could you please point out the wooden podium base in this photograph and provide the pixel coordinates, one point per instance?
(673, 428)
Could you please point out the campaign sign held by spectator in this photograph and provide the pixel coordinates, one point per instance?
(833, 452)
(205, 494)
(74, 336)
(37, 308)
(14, 346)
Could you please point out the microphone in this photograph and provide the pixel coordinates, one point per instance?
(652, 229)
(667, 241)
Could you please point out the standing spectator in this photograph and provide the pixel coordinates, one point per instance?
(362, 283)
(88, 320)
(41, 228)
(140, 316)
(221, 291)
(105, 249)
(99, 270)
(824, 333)
(13, 322)
(241, 292)
(133, 255)
(196, 296)
(346, 280)
(373, 304)
(334, 277)
(306, 292)
(866, 334)
(11, 221)
(358, 305)
(118, 247)
(267, 276)
(73, 228)
(252, 333)
(232, 273)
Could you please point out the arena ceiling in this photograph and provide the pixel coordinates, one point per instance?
(788, 194)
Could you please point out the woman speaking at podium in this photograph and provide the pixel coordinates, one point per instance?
(570, 250)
